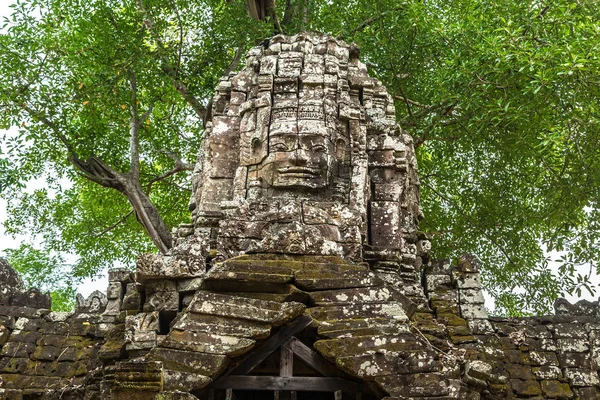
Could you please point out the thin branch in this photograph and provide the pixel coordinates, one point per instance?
(167, 174)
(407, 101)
(410, 102)
(113, 226)
(147, 113)
(239, 51)
(93, 169)
(168, 69)
(369, 21)
(134, 130)
(275, 19)
(470, 221)
(180, 166)
(179, 51)
(36, 115)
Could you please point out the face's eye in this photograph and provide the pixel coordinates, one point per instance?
(319, 148)
(279, 147)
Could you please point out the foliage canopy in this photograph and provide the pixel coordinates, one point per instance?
(501, 97)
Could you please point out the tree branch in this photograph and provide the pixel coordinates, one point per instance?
(134, 131)
(239, 51)
(410, 102)
(180, 34)
(369, 21)
(180, 166)
(113, 226)
(168, 69)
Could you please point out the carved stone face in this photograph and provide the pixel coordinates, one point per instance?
(300, 156)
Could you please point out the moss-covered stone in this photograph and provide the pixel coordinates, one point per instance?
(556, 389)
(205, 364)
(112, 350)
(205, 342)
(223, 326)
(415, 385)
(525, 387)
(354, 346)
(450, 319)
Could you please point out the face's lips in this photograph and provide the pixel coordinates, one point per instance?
(299, 171)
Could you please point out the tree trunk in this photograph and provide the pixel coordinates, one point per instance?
(96, 170)
(148, 216)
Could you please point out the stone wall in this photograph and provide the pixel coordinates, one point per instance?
(444, 347)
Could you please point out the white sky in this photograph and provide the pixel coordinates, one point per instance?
(90, 285)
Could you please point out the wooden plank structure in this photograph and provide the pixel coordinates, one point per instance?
(286, 386)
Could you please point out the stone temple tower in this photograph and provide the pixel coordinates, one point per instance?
(302, 155)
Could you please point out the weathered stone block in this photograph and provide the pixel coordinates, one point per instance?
(206, 342)
(439, 282)
(556, 389)
(416, 385)
(467, 280)
(114, 290)
(547, 372)
(392, 310)
(582, 377)
(575, 360)
(543, 358)
(473, 311)
(240, 307)
(573, 345)
(344, 347)
(519, 371)
(223, 326)
(525, 387)
(205, 364)
(183, 381)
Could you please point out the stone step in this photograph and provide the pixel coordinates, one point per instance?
(255, 286)
(183, 381)
(369, 366)
(286, 294)
(415, 385)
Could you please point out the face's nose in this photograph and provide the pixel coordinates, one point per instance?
(299, 157)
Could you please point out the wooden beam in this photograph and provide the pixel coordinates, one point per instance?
(298, 383)
(312, 358)
(286, 369)
(286, 361)
(273, 343)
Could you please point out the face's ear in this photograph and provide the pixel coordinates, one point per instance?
(340, 149)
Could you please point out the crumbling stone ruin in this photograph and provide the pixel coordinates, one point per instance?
(303, 274)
